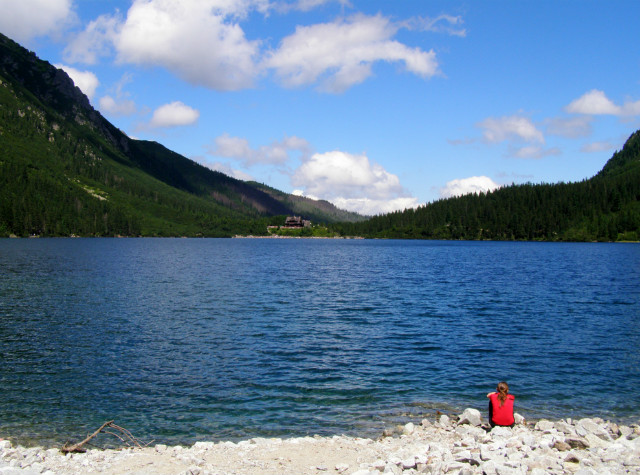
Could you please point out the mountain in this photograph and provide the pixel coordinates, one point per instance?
(65, 169)
(321, 210)
(605, 207)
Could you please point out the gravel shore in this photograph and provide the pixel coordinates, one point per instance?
(452, 445)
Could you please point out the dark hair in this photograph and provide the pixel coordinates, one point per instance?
(503, 389)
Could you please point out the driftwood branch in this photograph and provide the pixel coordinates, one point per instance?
(121, 433)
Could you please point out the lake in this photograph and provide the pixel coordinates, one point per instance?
(180, 340)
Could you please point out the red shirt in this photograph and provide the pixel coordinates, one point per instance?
(502, 416)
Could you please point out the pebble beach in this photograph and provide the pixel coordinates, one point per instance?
(446, 445)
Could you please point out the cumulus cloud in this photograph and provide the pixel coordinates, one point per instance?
(120, 105)
(596, 102)
(510, 128)
(23, 20)
(201, 41)
(372, 207)
(173, 115)
(341, 54)
(573, 127)
(85, 80)
(464, 186)
(277, 153)
(597, 147)
(117, 107)
(95, 41)
(196, 39)
(451, 25)
(533, 152)
(227, 170)
(351, 182)
(305, 5)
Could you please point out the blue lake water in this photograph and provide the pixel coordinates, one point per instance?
(180, 340)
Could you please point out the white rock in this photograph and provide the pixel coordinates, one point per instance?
(528, 439)
(544, 425)
(395, 460)
(565, 428)
(421, 459)
(632, 461)
(445, 421)
(471, 416)
(506, 470)
(591, 427)
(409, 428)
(409, 463)
(499, 431)
(453, 467)
(595, 441)
(487, 454)
(343, 467)
(468, 442)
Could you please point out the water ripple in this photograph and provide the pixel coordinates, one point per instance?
(184, 340)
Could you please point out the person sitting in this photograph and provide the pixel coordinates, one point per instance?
(501, 406)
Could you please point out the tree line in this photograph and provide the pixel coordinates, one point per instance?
(603, 208)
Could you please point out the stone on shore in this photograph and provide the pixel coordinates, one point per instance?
(450, 445)
(471, 416)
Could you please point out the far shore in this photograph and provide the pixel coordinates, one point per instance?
(276, 236)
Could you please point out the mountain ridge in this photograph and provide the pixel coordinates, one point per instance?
(605, 207)
(66, 170)
(52, 136)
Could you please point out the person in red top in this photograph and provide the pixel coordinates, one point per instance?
(501, 406)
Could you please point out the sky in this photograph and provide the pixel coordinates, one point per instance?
(373, 105)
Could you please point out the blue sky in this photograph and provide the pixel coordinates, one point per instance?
(374, 105)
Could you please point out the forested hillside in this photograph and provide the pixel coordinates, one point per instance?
(603, 208)
(65, 170)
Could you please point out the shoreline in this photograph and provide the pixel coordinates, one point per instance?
(448, 444)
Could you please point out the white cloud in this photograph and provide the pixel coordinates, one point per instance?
(304, 5)
(277, 153)
(510, 128)
(202, 42)
(372, 207)
(227, 170)
(85, 80)
(195, 39)
(351, 182)
(441, 24)
(23, 20)
(533, 152)
(573, 127)
(593, 102)
(464, 186)
(95, 41)
(341, 54)
(597, 147)
(117, 107)
(173, 115)
(596, 102)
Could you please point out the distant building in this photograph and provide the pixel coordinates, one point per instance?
(296, 222)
